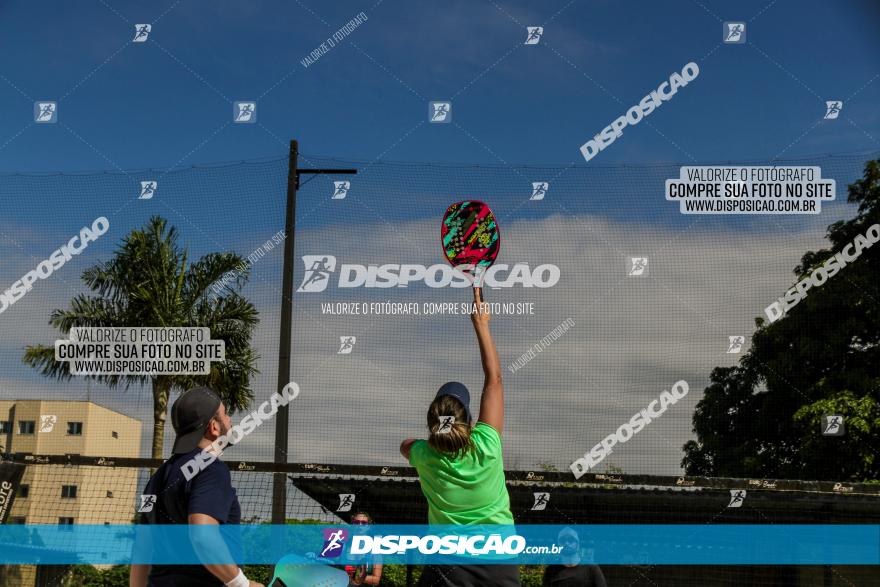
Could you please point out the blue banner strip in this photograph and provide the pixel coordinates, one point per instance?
(669, 544)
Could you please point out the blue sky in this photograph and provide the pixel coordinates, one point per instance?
(136, 110)
(167, 102)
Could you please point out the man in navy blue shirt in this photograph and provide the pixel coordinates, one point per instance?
(199, 419)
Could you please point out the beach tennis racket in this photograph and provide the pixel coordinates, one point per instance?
(469, 235)
(293, 571)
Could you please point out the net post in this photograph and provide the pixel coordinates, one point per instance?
(279, 482)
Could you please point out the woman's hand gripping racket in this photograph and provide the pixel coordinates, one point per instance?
(480, 315)
(470, 238)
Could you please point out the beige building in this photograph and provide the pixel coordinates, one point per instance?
(57, 494)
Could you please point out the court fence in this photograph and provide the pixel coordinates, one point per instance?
(73, 489)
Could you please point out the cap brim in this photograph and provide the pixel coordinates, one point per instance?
(188, 441)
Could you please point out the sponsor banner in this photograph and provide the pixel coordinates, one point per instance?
(10, 478)
(672, 544)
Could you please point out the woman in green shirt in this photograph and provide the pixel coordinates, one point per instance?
(460, 466)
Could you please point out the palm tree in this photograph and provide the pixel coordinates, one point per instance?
(148, 283)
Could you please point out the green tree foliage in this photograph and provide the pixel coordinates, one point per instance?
(762, 418)
(150, 283)
(392, 575)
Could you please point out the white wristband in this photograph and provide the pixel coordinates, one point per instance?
(239, 581)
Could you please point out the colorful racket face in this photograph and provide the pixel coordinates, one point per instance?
(470, 235)
(292, 571)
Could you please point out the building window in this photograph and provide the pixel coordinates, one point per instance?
(68, 491)
(24, 490)
(65, 521)
(26, 426)
(75, 428)
(114, 434)
(5, 427)
(18, 520)
(109, 494)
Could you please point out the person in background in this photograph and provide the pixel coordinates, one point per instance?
(571, 573)
(369, 572)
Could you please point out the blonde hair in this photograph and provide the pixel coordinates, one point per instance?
(456, 442)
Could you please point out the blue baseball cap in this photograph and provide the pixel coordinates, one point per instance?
(459, 392)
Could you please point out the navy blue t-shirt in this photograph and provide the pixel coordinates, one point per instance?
(210, 492)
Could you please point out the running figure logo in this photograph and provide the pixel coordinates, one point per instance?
(440, 112)
(832, 425)
(340, 189)
(141, 32)
(737, 496)
(47, 423)
(346, 344)
(45, 112)
(148, 500)
(318, 270)
(446, 423)
(333, 541)
(533, 34)
(636, 266)
(736, 344)
(832, 109)
(148, 189)
(539, 190)
(245, 112)
(346, 500)
(541, 501)
(734, 32)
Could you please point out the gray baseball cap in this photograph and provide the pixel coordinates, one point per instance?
(190, 415)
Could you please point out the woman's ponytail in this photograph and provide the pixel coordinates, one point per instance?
(450, 437)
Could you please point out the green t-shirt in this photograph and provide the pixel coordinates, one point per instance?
(467, 490)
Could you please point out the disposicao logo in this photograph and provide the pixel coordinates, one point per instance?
(56, 260)
(320, 268)
(334, 542)
(646, 106)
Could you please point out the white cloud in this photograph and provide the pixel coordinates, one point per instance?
(632, 338)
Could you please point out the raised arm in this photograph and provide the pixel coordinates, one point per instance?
(492, 400)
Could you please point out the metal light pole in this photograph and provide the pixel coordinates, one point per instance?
(279, 483)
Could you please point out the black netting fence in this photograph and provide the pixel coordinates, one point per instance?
(108, 493)
(604, 295)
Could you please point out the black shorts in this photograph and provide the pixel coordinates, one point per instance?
(469, 576)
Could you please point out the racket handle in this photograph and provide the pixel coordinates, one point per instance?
(482, 293)
(480, 274)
